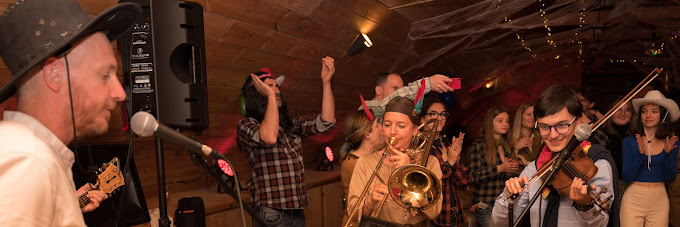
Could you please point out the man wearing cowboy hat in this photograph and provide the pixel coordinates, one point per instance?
(64, 76)
(649, 162)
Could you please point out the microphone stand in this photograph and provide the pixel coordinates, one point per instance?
(200, 161)
(533, 199)
(163, 221)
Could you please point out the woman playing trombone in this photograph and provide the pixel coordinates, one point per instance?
(401, 122)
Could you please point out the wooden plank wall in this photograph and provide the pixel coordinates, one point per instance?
(287, 36)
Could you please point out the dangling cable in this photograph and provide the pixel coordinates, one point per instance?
(73, 118)
(126, 170)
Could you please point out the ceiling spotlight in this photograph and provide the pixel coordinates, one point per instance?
(360, 43)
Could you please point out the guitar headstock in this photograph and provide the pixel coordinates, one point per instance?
(111, 176)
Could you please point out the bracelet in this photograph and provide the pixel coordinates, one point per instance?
(366, 205)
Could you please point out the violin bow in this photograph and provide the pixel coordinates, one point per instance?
(650, 77)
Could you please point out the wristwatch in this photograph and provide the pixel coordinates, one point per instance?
(583, 208)
(447, 164)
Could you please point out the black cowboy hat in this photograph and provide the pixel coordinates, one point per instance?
(34, 30)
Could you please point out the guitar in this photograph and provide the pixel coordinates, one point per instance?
(110, 179)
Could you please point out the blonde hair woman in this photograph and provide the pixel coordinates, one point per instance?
(401, 123)
(524, 140)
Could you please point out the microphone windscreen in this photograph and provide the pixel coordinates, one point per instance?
(583, 131)
(143, 124)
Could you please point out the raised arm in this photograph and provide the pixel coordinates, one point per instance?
(269, 127)
(328, 101)
(437, 82)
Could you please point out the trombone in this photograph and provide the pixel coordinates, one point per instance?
(412, 186)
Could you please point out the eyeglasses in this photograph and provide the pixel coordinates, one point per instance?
(561, 128)
(624, 110)
(434, 114)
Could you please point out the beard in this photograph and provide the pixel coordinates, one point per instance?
(91, 117)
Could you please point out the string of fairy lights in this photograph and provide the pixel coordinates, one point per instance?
(549, 39)
(652, 51)
(581, 22)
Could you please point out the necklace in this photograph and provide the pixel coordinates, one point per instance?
(649, 140)
(649, 149)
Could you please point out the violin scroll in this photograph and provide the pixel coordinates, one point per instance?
(603, 204)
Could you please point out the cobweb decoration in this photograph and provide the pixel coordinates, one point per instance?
(482, 38)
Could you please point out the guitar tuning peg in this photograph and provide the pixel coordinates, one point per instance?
(608, 198)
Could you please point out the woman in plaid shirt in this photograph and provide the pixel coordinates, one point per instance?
(455, 175)
(491, 163)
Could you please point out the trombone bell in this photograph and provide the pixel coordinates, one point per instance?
(414, 187)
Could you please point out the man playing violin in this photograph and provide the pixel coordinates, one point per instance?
(557, 113)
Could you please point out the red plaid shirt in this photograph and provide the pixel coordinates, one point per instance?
(278, 177)
(455, 177)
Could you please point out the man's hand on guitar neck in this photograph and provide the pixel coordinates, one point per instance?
(95, 197)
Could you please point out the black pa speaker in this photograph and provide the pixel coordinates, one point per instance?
(164, 64)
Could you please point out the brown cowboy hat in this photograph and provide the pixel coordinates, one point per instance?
(34, 30)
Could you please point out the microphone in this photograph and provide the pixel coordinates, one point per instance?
(144, 124)
(581, 133)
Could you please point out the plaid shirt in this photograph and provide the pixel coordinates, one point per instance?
(409, 91)
(488, 182)
(454, 178)
(278, 177)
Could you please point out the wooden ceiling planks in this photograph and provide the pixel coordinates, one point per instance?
(305, 28)
(255, 12)
(283, 44)
(334, 15)
(246, 35)
(220, 53)
(215, 25)
(226, 76)
(256, 59)
(302, 7)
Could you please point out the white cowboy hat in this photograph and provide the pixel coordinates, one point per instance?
(655, 97)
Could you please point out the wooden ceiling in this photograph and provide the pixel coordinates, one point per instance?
(290, 37)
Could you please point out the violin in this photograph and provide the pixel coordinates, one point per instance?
(579, 164)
